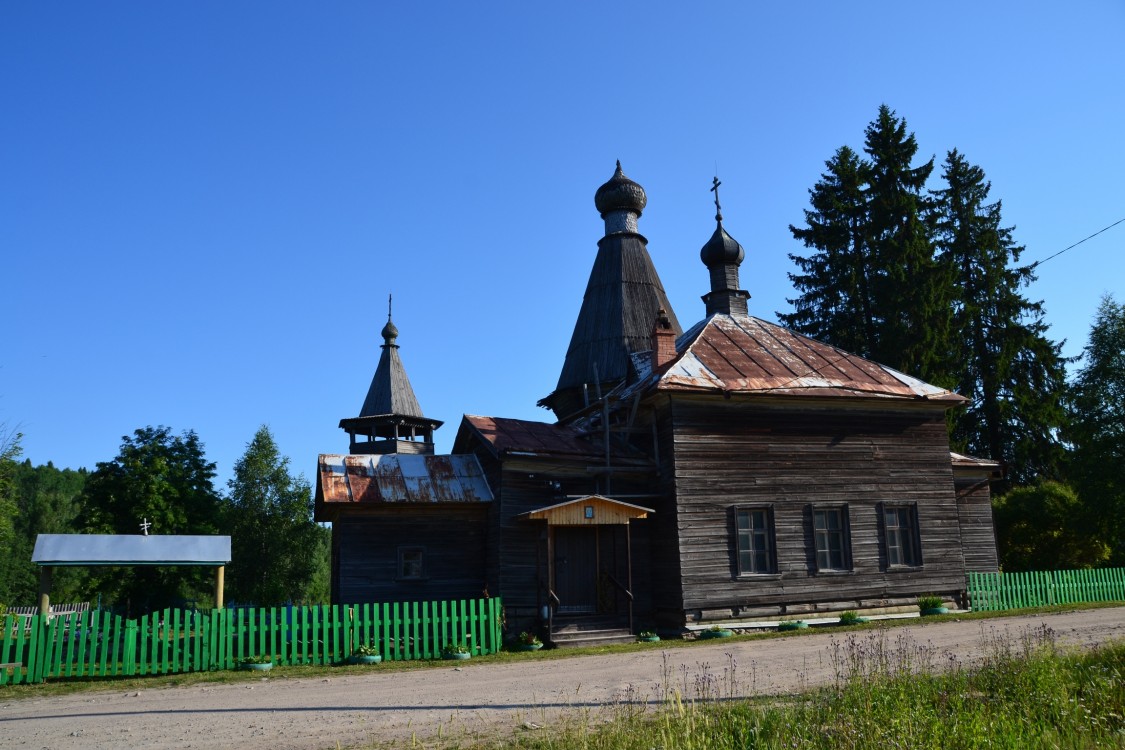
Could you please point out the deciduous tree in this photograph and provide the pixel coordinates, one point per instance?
(278, 553)
(166, 479)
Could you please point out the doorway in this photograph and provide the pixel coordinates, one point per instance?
(576, 568)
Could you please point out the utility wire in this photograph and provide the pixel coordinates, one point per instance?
(1076, 244)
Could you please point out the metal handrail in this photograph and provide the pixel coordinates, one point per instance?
(619, 585)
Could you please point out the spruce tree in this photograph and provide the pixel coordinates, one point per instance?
(1097, 428)
(873, 286)
(910, 290)
(1003, 362)
(835, 306)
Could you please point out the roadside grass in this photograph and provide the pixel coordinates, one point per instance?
(887, 693)
(68, 685)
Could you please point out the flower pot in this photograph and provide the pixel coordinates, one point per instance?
(721, 633)
(648, 638)
(366, 659)
(256, 667)
(528, 646)
(455, 656)
(935, 611)
(792, 625)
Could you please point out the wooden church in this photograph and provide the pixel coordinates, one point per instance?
(730, 472)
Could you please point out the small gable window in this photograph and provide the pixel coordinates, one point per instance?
(411, 565)
(754, 537)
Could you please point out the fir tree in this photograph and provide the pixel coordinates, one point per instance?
(835, 306)
(873, 286)
(1003, 362)
(1097, 429)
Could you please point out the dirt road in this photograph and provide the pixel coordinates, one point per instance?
(291, 714)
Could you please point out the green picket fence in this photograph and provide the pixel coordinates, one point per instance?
(999, 591)
(98, 644)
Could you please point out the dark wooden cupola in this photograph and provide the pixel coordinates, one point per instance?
(391, 420)
(723, 255)
(622, 298)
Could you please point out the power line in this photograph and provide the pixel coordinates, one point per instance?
(1076, 244)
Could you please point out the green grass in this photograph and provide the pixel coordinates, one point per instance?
(1027, 694)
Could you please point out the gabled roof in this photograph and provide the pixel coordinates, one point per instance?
(398, 478)
(744, 354)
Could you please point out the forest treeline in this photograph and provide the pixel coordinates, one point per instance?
(910, 269)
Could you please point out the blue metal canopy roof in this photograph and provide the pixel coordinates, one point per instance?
(130, 549)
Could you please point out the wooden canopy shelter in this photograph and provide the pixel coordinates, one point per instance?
(127, 550)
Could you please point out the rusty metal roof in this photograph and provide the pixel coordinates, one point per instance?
(399, 478)
(533, 438)
(744, 354)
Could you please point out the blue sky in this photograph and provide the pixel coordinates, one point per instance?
(203, 206)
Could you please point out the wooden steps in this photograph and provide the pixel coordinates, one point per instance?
(572, 631)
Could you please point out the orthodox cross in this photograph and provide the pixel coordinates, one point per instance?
(145, 525)
(390, 298)
(715, 190)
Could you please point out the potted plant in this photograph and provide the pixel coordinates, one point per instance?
(716, 632)
(792, 625)
(851, 617)
(528, 642)
(648, 636)
(256, 663)
(365, 654)
(931, 605)
(458, 651)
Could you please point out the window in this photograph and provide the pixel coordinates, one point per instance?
(754, 536)
(410, 563)
(830, 529)
(900, 528)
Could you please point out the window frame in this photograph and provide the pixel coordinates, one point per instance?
(911, 548)
(767, 533)
(844, 533)
(401, 569)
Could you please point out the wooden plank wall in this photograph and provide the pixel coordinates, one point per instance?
(730, 453)
(974, 514)
(454, 538)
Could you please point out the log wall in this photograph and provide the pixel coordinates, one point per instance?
(730, 453)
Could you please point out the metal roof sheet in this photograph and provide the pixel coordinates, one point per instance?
(741, 353)
(400, 478)
(130, 549)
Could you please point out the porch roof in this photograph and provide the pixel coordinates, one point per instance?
(591, 510)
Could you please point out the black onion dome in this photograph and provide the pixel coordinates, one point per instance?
(721, 248)
(620, 194)
(390, 332)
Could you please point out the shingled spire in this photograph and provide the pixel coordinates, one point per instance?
(622, 298)
(391, 419)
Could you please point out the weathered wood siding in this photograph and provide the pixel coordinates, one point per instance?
(454, 539)
(787, 456)
(978, 535)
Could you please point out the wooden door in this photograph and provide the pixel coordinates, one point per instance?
(576, 568)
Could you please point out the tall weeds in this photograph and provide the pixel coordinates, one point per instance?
(887, 693)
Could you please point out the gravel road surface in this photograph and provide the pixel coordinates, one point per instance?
(356, 709)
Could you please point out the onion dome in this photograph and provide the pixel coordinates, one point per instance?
(620, 194)
(721, 249)
(389, 332)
